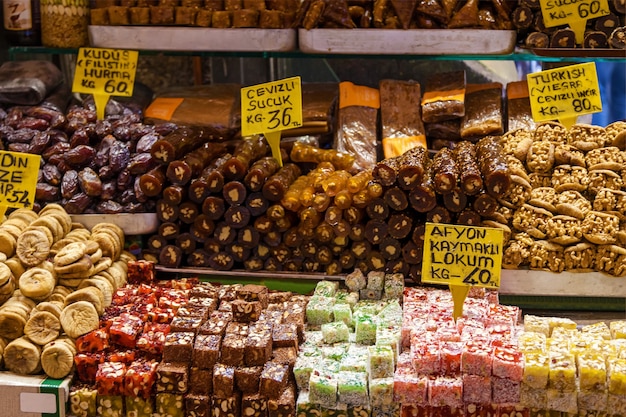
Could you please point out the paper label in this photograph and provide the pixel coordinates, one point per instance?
(163, 108)
(105, 71)
(358, 95)
(18, 178)
(17, 15)
(271, 107)
(451, 95)
(31, 402)
(563, 12)
(462, 255)
(393, 147)
(564, 93)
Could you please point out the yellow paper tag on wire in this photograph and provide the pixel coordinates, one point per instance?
(18, 179)
(462, 255)
(103, 73)
(574, 13)
(564, 93)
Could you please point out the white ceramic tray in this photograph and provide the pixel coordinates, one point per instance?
(131, 223)
(175, 38)
(407, 42)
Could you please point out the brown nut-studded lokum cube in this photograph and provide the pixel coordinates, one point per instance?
(178, 347)
(247, 378)
(295, 312)
(118, 15)
(186, 324)
(283, 406)
(203, 18)
(253, 292)
(185, 16)
(271, 19)
(217, 323)
(285, 355)
(246, 311)
(274, 378)
(187, 310)
(198, 405)
(234, 327)
(285, 335)
(278, 297)
(253, 405)
(199, 301)
(229, 292)
(245, 18)
(200, 381)
(258, 346)
(204, 290)
(206, 350)
(139, 15)
(227, 406)
(233, 349)
(272, 316)
(223, 380)
(172, 377)
(225, 305)
(161, 15)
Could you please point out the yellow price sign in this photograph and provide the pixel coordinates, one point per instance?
(270, 108)
(104, 73)
(564, 93)
(574, 13)
(462, 255)
(18, 179)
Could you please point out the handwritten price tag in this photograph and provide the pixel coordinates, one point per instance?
(18, 179)
(574, 13)
(270, 108)
(104, 73)
(564, 93)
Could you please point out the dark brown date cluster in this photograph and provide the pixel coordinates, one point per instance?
(87, 165)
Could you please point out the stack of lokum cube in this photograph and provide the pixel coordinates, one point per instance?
(195, 350)
(471, 367)
(572, 369)
(346, 366)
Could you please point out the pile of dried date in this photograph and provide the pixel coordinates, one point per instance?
(87, 165)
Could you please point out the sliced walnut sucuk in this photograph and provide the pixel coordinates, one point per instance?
(566, 154)
(517, 250)
(569, 177)
(572, 203)
(600, 228)
(603, 178)
(607, 199)
(540, 156)
(580, 257)
(616, 133)
(608, 157)
(516, 143)
(587, 137)
(544, 197)
(546, 255)
(532, 220)
(611, 259)
(551, 131)
(564, 230)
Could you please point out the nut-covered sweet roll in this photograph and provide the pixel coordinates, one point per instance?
(580, 257)
(564, 230)
(600, 228)
(540, 179)
(604, 178)
(532, 220)
(616, 133)
(569, 177)
(547, 256)
(519, 192)
(611, 259)
(572, 203)
(609, 157)
(566, 154)
(609, 200)
(551, 131)
(544, 197)
(540, 156)
(517, 250)
(587, 137)
(517, 142)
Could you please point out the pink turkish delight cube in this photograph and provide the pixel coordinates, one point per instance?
(409, 388)
(476, 358)
(451, 357)
(426, 358)
(476, 389)
(504, 390)
(446, 391)
(507, 363)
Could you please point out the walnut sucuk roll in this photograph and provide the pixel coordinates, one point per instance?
(519, 114)
(357, 118)
(470, 178)
(493, 166)
(444, 97)
(411, 167)
(483, 111)
(445, 171)
(400, 116)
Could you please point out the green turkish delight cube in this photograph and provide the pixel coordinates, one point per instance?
(390, 314)
(381, 392)
(365, 329)
(381, 362)
(326, 288)
(139, 406)
(352, 388)
(323, 388)
(336, 351)
(394, 286)
(110, 406)
(389, 336)
(302, 370)
(83, 401)
(347, 297)
(343, 313)
(170, 405)
(367, 307)
(355, 359)
(335, 332)
(319, 310)
(304, 406)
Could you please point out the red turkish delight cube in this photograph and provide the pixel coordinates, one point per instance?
(110, 378)
(446, 391)
(410, 388)
(451, 357)
(140, 271)
(504, 390)
(124, 295)
(160, 315)
(125, 329)
(94, 341)
(140, 378)
(476, 358)
(152, 338)
(86, 365)
(124, 356)
(476, 389)
(507, 362)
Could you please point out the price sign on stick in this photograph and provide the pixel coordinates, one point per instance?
(564, 93)
(18, 179)
(104, 73)
(270, 108)
(574, 13)
(462, 257)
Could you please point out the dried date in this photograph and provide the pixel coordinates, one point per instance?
(90, 182)
(79, 156)
(51, 174)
